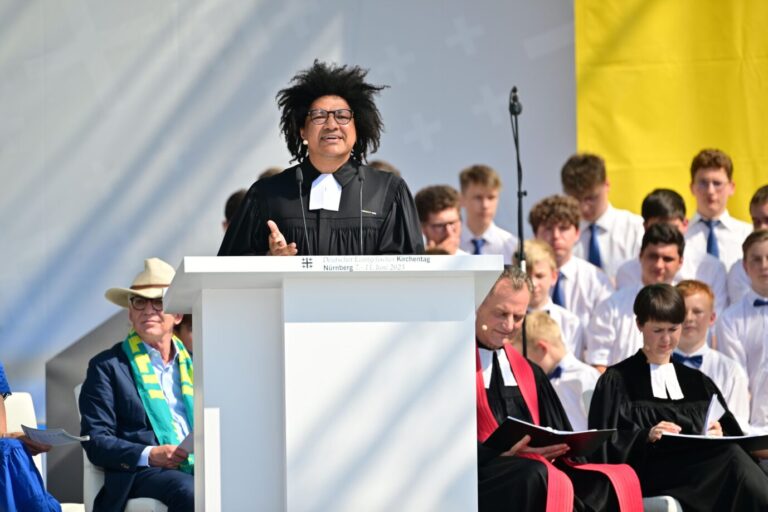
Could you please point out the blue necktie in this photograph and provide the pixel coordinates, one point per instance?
(694, 361)
(555, 374)
(760, 302)
(478, 243)
(557, 292)
(594, 249)
(712, 247)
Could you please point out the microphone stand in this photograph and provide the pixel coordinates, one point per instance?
(515, 109)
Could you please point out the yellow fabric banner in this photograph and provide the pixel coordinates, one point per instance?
(658, 80)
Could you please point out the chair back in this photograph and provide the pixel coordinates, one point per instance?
(20, 410)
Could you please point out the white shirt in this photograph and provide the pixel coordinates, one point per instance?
(742, 334)
(570, 327)
(584, 286)
(486, 363)
(739, 283)
(729, 378)
(730, 234)
(700, 266)
(574, 388)
(497, 241)
(619, 236)
(612, 334)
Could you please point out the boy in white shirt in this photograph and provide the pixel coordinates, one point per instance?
(693, 351)
(742, 329)
(712, 230)
(573, 380)
(580, 286)
(665, 205)
(738, 282)
(542, 269)
(609, 236)
(612, 334)
(480, 188)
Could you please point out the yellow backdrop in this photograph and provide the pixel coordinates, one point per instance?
(658, 80)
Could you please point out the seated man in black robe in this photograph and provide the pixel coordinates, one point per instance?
(523, 478)
(330, 203)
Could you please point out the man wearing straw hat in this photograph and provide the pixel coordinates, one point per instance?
(137, 403)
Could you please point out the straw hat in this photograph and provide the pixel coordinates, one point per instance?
(150, 284)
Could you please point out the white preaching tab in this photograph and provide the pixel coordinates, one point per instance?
(486, 363)
(664, 382)
(325, 193)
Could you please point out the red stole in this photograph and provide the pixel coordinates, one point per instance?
(559, 486)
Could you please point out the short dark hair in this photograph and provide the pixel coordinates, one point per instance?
(663, 203)
(760, 197)
(233, 204)
(554, 209)
(385, 166)
(479, 174)
(663, 234)
(435, 199)
(323, 79)
(660, 302)
(712, 159)
(755, 237)
(581, 173)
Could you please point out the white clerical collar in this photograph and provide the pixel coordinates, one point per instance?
(325, 193)
(664, 382)
(486, 363)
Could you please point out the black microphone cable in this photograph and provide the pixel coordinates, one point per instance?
(299, 181)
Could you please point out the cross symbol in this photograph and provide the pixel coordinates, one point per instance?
(306, 262)
(422, 131)
(396, 63)
(549, 41)
(490, 104)
(464, 36)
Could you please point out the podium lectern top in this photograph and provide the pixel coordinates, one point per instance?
(197, 273)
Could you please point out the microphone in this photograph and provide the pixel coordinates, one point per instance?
(361, 177)
(515, 107)
(299, 181)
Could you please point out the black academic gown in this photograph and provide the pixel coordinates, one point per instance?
(389, 220)
(519, 483)
(721, 478)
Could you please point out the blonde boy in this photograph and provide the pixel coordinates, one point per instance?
(542, 269)
(573, 380)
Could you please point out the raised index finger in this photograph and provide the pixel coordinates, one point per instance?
(272, 225)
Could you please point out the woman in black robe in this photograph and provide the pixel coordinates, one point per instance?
(646, 395)
(330, 122)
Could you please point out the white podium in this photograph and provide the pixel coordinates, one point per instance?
(342, 383)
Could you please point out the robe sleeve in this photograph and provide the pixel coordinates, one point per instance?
(401, 232)
(485, 453)
(630, 441)
(248, 234)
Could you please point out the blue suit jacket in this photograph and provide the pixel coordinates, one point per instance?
(113, 415)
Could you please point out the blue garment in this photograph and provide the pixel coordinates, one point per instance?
(5, 389)
(21, 486)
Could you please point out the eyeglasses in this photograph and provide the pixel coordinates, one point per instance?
(140, 303)
(319, 116)
(444, 225)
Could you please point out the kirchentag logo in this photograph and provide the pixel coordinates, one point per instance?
(306, 263)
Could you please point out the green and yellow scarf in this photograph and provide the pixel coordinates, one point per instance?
(152, 396)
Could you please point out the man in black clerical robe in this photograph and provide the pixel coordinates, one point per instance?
(376, 215)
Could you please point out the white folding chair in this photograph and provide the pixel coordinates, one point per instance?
(93, 481)
(20, 410)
